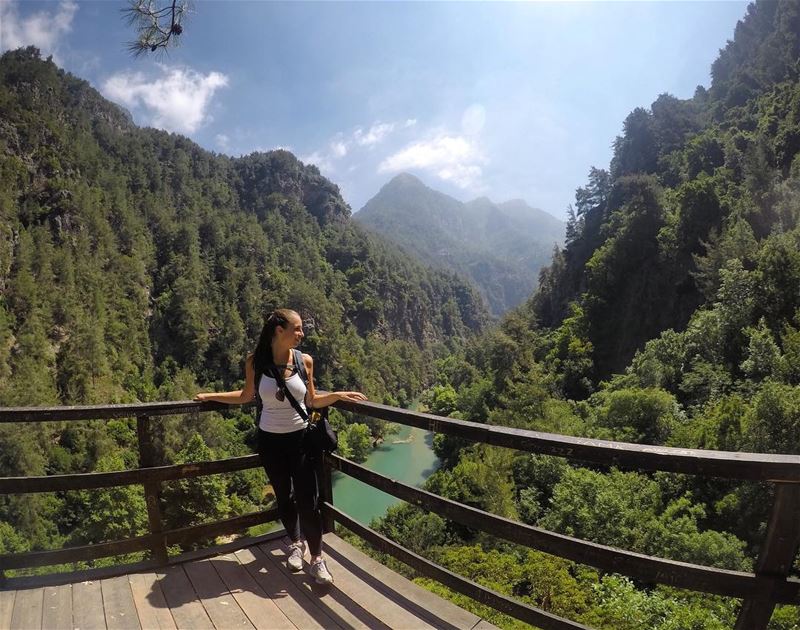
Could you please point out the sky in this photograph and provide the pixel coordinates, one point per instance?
(507, 100)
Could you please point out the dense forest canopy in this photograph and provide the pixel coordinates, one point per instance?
(671, 316)
(126, 251)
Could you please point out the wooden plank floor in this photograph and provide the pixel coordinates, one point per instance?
(251, 589)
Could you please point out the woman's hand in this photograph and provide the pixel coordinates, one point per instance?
(351, 396)
(202, 396)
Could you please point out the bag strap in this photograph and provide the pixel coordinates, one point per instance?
(282, 385)
(300, 365)
(259, 402)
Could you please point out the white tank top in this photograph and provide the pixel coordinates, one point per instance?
(279, 416)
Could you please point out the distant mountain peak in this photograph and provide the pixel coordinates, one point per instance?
(500, 251)
(482, 201)
(406, 179)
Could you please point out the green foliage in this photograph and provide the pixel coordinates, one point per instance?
(535, 476)
(10, 540)
(357, 442)
(193, 501)
(698, 211)
(413, 528)
(773, 424)
(609, 602)
(627, 510)
(135, 266)
(763, 354)
(637, 415)
(482, 478)
(620, 605)
(785, 618)
(111, 513)
(150, 250)
(719, 425)
(636, 151)
(671, 316)
(571, 356)
(735, 242)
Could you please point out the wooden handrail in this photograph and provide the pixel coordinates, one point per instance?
(105, 412)
(760, 591)
(92, 481)
(726, 464)
(650, 569)
(651, 458)
(140, 543)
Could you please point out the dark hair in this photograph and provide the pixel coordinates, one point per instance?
(262, 357)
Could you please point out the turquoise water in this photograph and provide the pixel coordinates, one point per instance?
(411, 462)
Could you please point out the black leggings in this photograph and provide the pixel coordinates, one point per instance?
(294, 480)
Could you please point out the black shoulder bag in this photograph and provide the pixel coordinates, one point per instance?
(319, 432)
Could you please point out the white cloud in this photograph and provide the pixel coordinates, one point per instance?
(339, 148)
(178, 100)
(42, 29)
(344, 144)
(452, 158)
(376, 134)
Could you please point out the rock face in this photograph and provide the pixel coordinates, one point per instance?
(499, 247)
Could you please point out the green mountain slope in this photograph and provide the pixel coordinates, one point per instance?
(500, 247)
(693, 185)
(130, 254)
(671, 317)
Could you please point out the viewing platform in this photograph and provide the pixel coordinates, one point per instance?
(249, 587)
(245, 583)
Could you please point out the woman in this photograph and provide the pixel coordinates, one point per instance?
(281, 429)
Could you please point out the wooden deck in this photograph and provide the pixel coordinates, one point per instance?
(248, 588)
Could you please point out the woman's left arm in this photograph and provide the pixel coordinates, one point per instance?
(314, 400)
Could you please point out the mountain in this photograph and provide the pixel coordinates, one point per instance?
(128, 255)
(500, 247)
(694, 186)
(671, 317)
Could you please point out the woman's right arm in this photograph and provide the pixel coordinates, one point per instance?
(239, 397)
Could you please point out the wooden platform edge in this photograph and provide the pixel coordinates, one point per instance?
(70, 577)
(436, 608)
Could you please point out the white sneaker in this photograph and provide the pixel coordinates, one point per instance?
(295, 558)
(319, 571)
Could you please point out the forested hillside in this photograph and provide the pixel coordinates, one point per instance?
(136, 266)
(499, 247)
(671, 316)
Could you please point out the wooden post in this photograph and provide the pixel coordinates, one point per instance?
(152, 490)
(325, 481)
(777, 555)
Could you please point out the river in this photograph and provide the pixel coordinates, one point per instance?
(411, 461)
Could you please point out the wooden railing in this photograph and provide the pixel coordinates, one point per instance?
(148, 475)
(768, 585)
